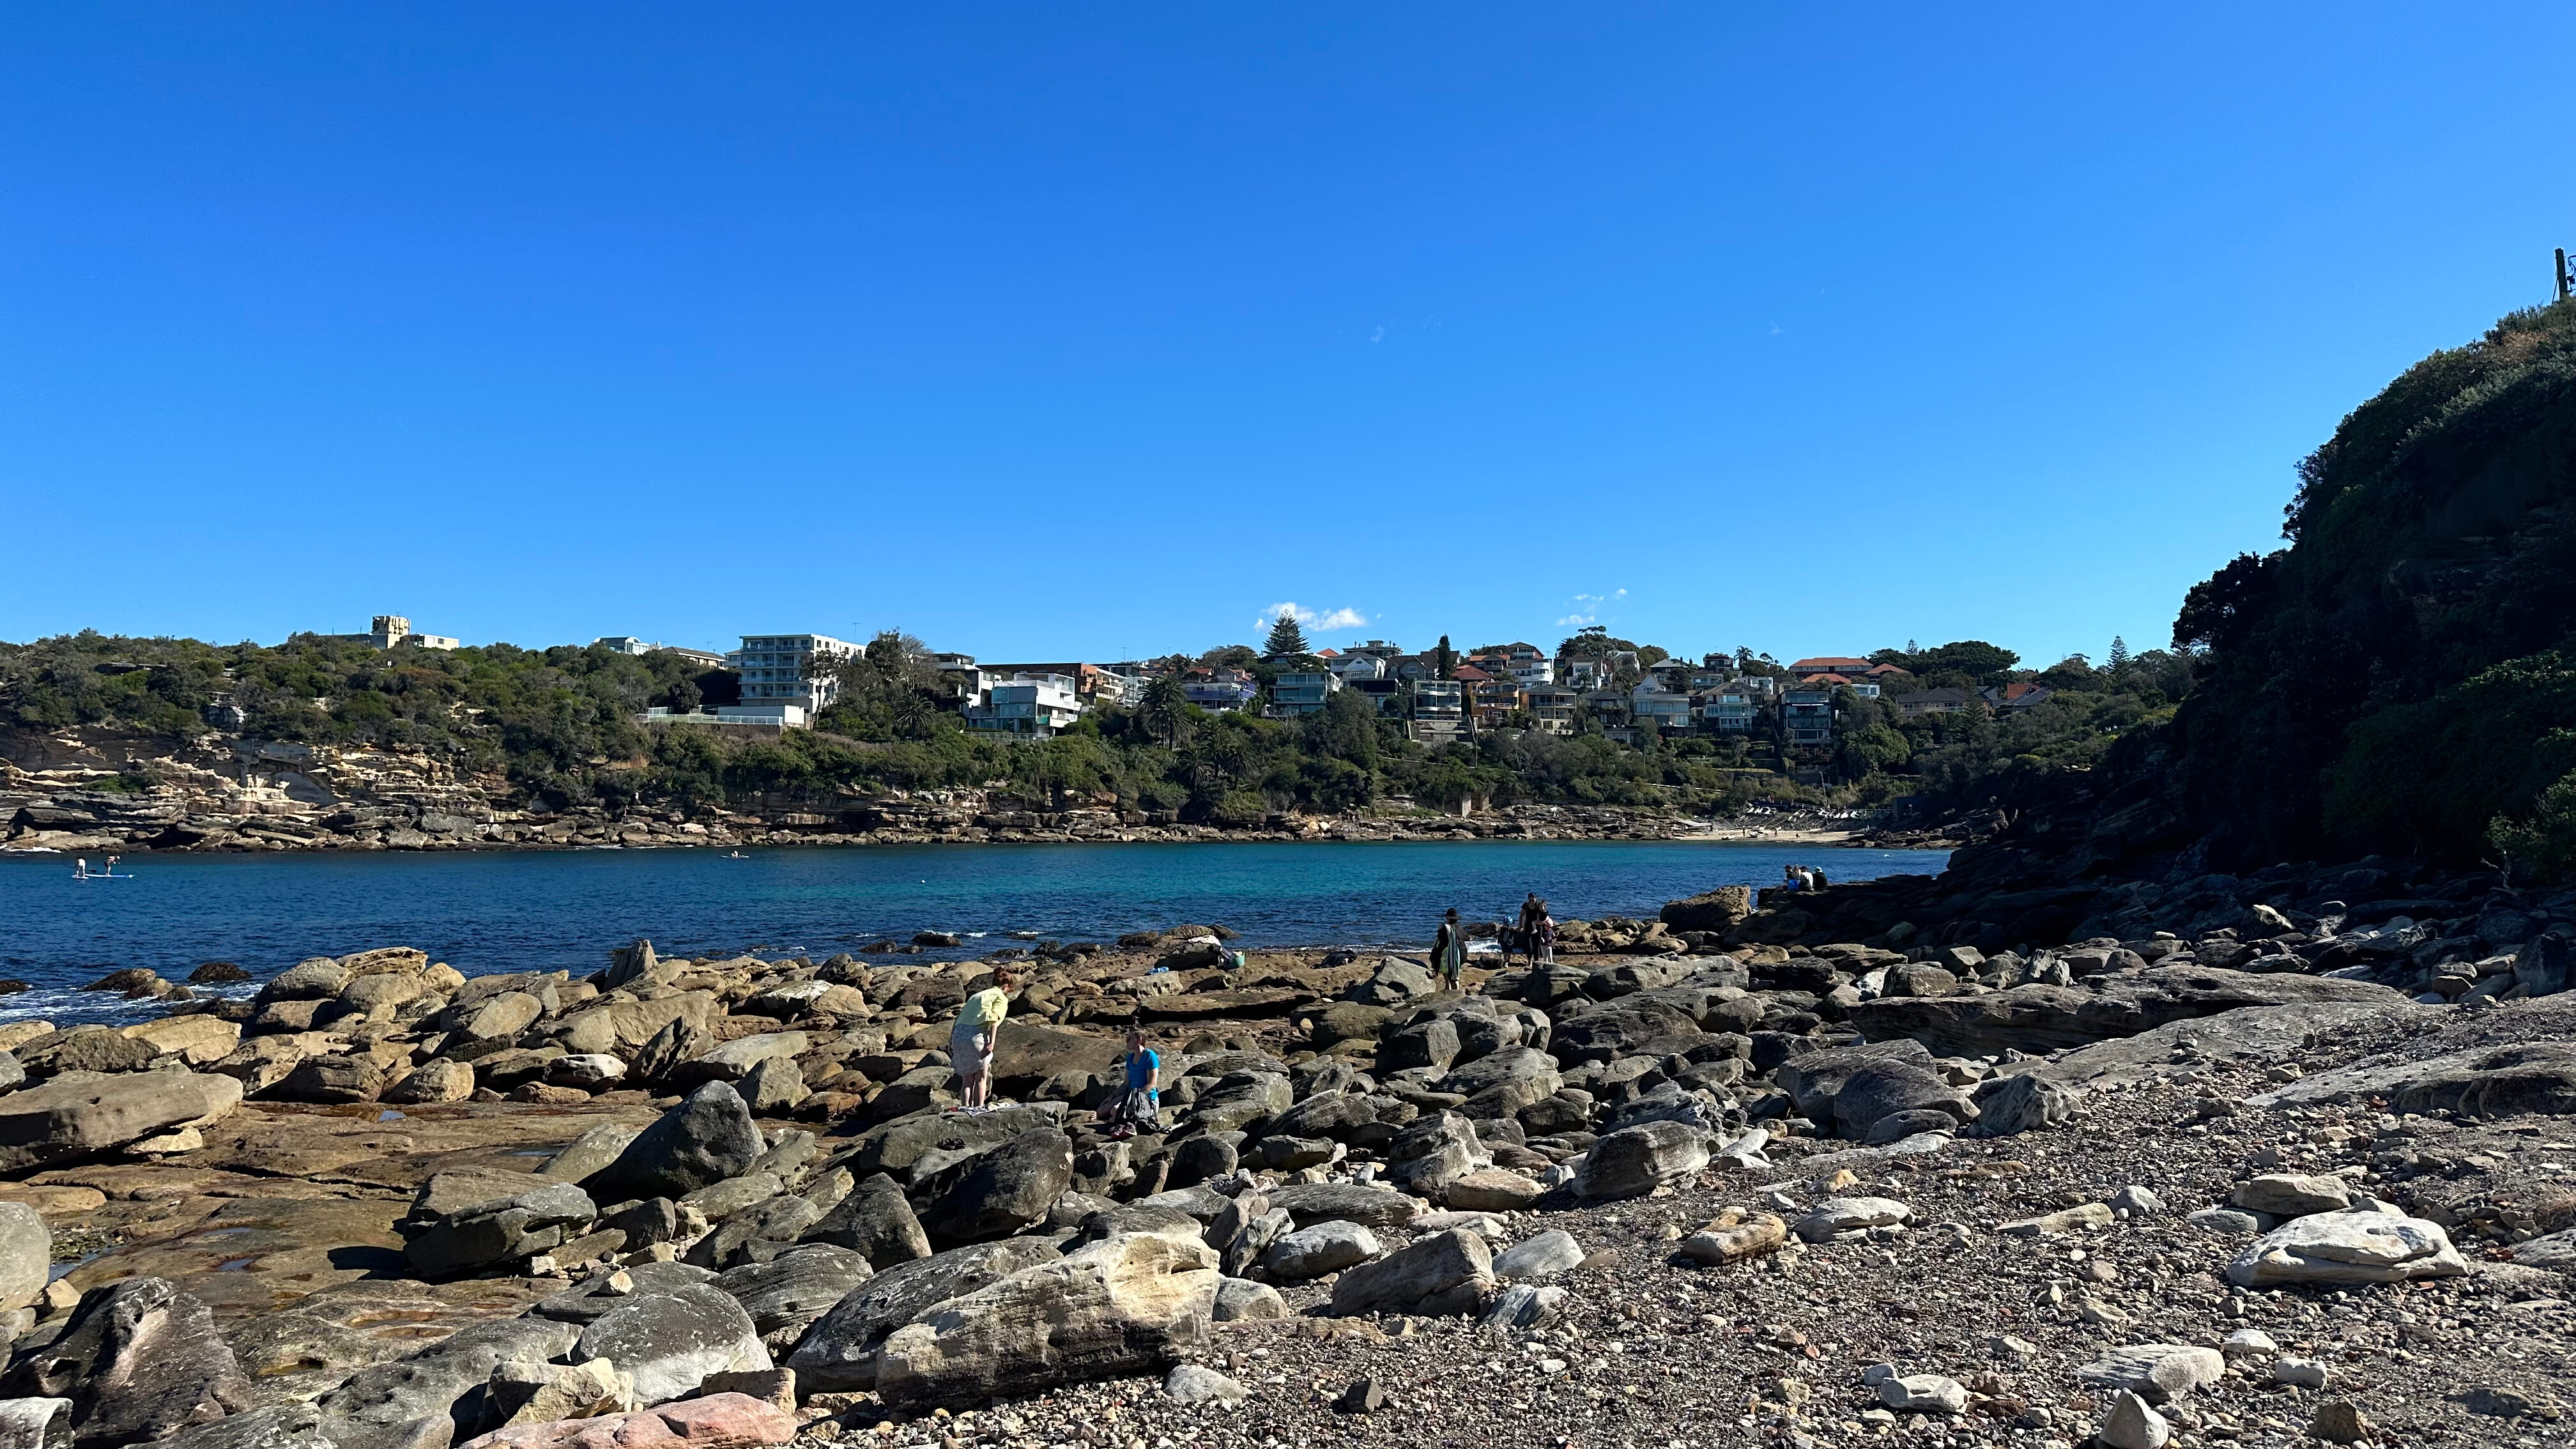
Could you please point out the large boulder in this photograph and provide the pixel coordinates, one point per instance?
(997, 1193)
(508, 1230)
(1813, 1080)
(2025, 1102)
(408, 1402)
(936, 1139)
(139, 1360)
(839, 1353)
(620, 1027)
(786, 1294)
(1881, 1090)
(1717, 910)
(2040, 1018)
(1634, 1161)
(1123, 1306)
(1445, 1273)
(2347, 1247)
(76, 1116)
(707, 1138)
(1309, 1203)
(875, 1221)
(26, 1255)
(1316, 1251)
(671, 1341)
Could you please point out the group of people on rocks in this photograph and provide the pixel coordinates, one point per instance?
(979, 1030)
(1802, 878)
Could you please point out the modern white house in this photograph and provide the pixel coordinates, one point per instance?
(1292, 695)
(1027, 704)
(797, 669)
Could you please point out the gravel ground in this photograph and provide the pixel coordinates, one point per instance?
(1653, 1350)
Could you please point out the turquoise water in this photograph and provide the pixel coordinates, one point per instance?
(510, 911)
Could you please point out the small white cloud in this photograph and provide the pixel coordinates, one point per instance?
(1587, 608)
(1377, 336)
(1312, 618)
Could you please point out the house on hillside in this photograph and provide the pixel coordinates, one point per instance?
(1944, 700)
(1807, 718)
(1842, 664)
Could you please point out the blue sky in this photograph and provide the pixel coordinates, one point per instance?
(1048, 331)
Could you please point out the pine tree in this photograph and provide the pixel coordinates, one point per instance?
(1444, 661)
(2119, 654)
(1286, 635)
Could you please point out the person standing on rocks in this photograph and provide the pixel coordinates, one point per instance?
(972, 1039)
(1533, 911)
(1449, 951)
(1141, 1103)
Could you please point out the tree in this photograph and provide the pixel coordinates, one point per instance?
(2119, 654)
(1444, 660)
(1287, 636)
(683, 696)
(1164, 708)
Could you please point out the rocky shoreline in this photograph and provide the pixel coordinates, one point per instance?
(1733, 1175)
(70, 823)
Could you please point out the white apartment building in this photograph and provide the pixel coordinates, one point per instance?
(797, 669)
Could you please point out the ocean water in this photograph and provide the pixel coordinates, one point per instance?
(523, 910)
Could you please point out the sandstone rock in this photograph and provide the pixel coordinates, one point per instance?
(997, 1193)
(317, 979)
(1923, 1394)
(1878, 1090)
(735, 1060)
(1839, 1215)
(1544, 1256)
(785, 1295)
(776, 1085)
(2133, 1425)
(839, 1352)
(1191, 1383)
(2347, 1247)
(328, 1080)
(277, 1426)
(2290, 1195)
(589, 1071)
(875, 1221)
(588, 1153)
(2068, 1220)
(433, 1081)
(76, 1117)
(1324, 1248)
(1241, 1298)
(2155, 1372)
(139, 1360)
(1492, 1189)
(1637, 1160)
(26, 1255)
(2028, 1102)
(198, 1040)
(1753, 1237)
(35, 1423)
(544, 1393)
(707, 1138)
(670, 1341)
(1445, 1273)
(511, 1229)
(718, 1421)
(2037, 1018)
(1118, 1307)
(620, 1027)
(398, 1405)
(1371, 1207)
